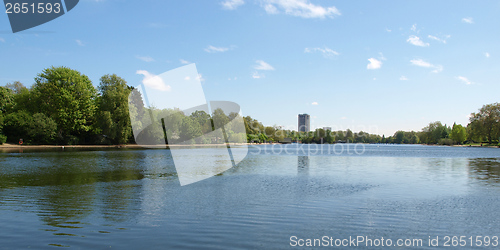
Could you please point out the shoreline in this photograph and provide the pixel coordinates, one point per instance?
(135, 146)
(126, 146)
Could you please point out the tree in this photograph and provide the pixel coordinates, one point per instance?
(435, 131)
(113, 113)
(3, 138)
(42, 129)
(190, 129)
(414, 138)
(68, 97)
(203, 119)
(349, 135)
(399, 137)
(486, 123)
(458, 133)
(17, 87)
(6, 99)
(16, 125)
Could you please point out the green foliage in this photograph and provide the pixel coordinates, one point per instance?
(458, 133)
(68, 97)
(399, 137)
(435, 131)
(445, 141)
(17, 125)
(42, 129)
(486, 123)
(64, 107)
(113, 118)
(3, 138)
(16, 87)
(1, 123)
(6, 99)
(414, 139)
(190, 129)
(37, 128)
(402, 137)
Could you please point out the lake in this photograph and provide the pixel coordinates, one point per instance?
(275, 198)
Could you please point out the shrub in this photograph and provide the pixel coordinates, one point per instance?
(3, 139)
(445, 141)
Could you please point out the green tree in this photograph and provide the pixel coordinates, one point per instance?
(486, 123)
(42, 129)
(458, 133)
(190, 129)
(414, 139)
(202, 118)
(349, 135)
(3, 138)
(6, 99)
(435, 131)
(68, 97)
(399, 137)
(113, 113)
(16, 126)
(17, 87)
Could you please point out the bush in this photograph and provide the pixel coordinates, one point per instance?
(16, 126)
(42, 129)
(445, 141)
(3, 139)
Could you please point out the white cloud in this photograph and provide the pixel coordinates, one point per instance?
(437, 69)
(2, 40)
(261, 65)
(343, 118)
(414, 27)
(487, 54)
(153, 81)
(145, 58)
(232, 4)
(327, 52)
(256, 75)
(213, 49)
(187, 78)
(79, 42)
(403, 78)
(421, 63)
(464, 79)
(468, 20)
(388, 30)
(300, 8)
(424, 64)
(442, 40)
(415, 40)
(270, 9)
(374, 64)
(184, 61)
(314, 103)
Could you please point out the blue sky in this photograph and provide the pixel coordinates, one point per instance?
(364, 65)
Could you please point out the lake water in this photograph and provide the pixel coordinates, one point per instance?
(132, 199)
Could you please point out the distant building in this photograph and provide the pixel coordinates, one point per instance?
(304, 123)
(327, 128)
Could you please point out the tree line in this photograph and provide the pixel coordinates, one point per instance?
(483, 127)
(63, 107)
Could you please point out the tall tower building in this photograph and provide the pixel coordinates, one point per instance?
(304, 122)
